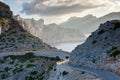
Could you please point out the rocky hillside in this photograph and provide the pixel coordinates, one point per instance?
(14, 41)
(26, 67)
(51, 33)
(101, 50)
(13, 37)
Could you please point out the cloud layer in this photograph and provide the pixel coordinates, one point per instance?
(61, 7)
(1, 0)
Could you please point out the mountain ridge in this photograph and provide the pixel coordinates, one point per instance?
(90, 24)
(13, 37)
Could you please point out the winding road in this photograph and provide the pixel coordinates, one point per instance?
(104, 75)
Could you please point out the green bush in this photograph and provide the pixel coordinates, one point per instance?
(94, 42)
(64, 73)
(41, 76)
(7, 69)
(115, 53)
(29, 55)
(17, 70)
(116, 25)
(4, 76)
(34, 72)
(30, 65)
(67, 57)
(58, 58)
(101, 32)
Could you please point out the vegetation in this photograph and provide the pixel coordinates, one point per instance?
(21, 63)
(17, 70)
(30, 65)
(4, 76)
(7, 69)
(34, 72)
(94, 42)
(115, 53)
(64, 73)
(116, 25)
(101, 32)
(67, 57)
(83, 72)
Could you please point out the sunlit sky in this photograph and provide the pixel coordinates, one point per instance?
(57, 11)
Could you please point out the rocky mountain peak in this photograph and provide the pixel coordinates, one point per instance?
(98, 48)
(13, 35)
(5, 10)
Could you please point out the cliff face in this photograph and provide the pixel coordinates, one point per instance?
(52, 33)
(101, 49)
(13, 36)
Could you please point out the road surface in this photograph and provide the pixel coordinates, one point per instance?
(104, 75)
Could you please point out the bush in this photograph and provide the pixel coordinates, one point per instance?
(7, 69)
(83, 72)
(67, 57)
(29, 55)
(116, 25)
(115, 53)
(17, 70)
(64, 73)
(34, 72)
(101, 32)
(58, 58)
(30, 65)
(94, 42)
(4, 76)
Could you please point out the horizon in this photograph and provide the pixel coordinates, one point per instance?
(49, 11)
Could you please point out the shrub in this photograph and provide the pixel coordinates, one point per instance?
(101, 32)
(67, 57)
(115, 53)
(29, 55)
(64, 73)
(30, 65)
(7, 69)
(116, 25)
(34, 72)
(29, 78)
(94, 42)
(17, 70)
(4, 76)
(58, 58)
(41, 76)
(83, 72)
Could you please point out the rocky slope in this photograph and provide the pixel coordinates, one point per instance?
(101, 50)
(51, 33)
(13, 37)
(26, 67)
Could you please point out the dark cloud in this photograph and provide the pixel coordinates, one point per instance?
(60, 7)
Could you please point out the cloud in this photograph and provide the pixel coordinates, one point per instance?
(61, 7)
(2, 0)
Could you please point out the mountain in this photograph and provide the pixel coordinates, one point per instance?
(89, 23)
(13, 37)
(20, 51)
(51, 33)
(101, 50)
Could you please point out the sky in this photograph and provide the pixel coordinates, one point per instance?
(57, 11)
